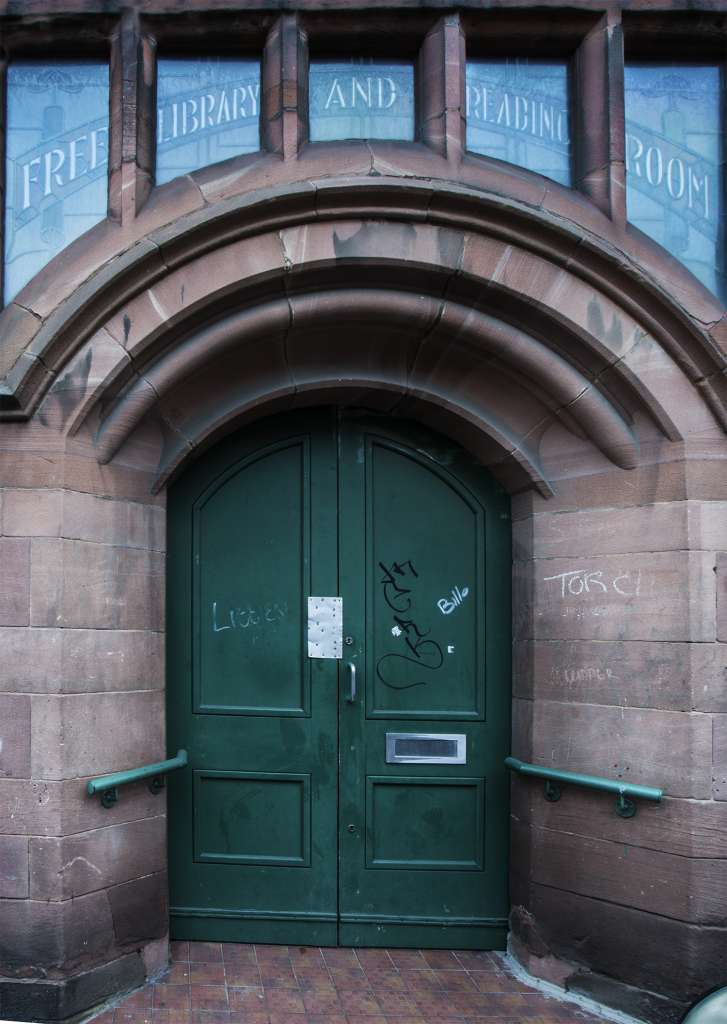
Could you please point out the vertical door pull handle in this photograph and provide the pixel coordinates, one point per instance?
(352, 683)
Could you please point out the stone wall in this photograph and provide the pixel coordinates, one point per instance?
(622, 673)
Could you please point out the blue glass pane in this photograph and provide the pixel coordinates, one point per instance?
(57, 161)
(361, 99)
(674, 163)
(517, 110)
(208, 110)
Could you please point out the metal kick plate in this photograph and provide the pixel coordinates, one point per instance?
(325, 627)
(426, 748)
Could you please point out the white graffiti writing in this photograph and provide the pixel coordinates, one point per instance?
(447, 605)
(583, 581)
(244, 617)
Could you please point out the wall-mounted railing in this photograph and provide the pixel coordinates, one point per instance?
(107, 786)
(626, 792)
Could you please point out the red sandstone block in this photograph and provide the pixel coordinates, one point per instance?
(650, 674)
(130, 524)
(15, 576)
(65, 868)
(14, 736)
(646, 880)
(78, 735)
(82, 584)
(667, 749)
(719, 755)
(651, 596)
(32, 513)
(14, 867)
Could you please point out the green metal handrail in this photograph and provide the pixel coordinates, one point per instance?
(107, 786)
(626, 791)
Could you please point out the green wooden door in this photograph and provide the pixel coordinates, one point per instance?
(321, 804)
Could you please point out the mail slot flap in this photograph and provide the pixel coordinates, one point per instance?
(426, 748)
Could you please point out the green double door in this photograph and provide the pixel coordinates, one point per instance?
(345, 782)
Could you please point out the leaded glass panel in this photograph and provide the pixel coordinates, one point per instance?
(207, 110)
(518, 110)
(675, 163)
(56, 161)
(361, 99)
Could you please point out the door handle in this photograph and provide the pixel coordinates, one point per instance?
(352, 682)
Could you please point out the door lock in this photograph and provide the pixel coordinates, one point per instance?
(348, 641)
(351, 828)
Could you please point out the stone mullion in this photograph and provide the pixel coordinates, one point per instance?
(441, 73)
(598, 124)
(132, 133)
(284, 105)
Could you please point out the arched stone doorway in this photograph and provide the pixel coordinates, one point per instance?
(590, 395)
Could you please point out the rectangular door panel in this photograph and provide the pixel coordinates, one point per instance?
(425, 590)
(252, 818)
(430, 824)
(251, 565)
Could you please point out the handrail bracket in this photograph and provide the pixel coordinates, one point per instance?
(106, 787)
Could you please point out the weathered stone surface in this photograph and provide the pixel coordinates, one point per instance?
(81, 584)
(123, 523)
(32, 513)
(87, 929)
(612, 940)
(29, 808)
(639, 1003)
(58, 808)
(15, 590)
(659, 883)
(721, 573)
(651, 674)
(14, 867)
(31, 936)
(689, 828)
(14, 736)
(719, 756)
(668, 749)
(52, 1001)
(609, 487)
(654, 596)
(664, 526)
(80, 812)
(140, 909)
(77, 735)
(80, 660)
(63, 868)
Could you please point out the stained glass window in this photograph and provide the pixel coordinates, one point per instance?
(517, 110)
(675, 163)
(361, 99)
(56, 161)
(207, 110)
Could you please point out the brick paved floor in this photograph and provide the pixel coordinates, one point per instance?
(229, 983)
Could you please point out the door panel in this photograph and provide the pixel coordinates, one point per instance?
(253, 820)
(289, 824)
(248, 618)
(425, 578)
(425, 592)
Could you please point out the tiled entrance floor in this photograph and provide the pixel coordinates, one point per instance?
(229, 983)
